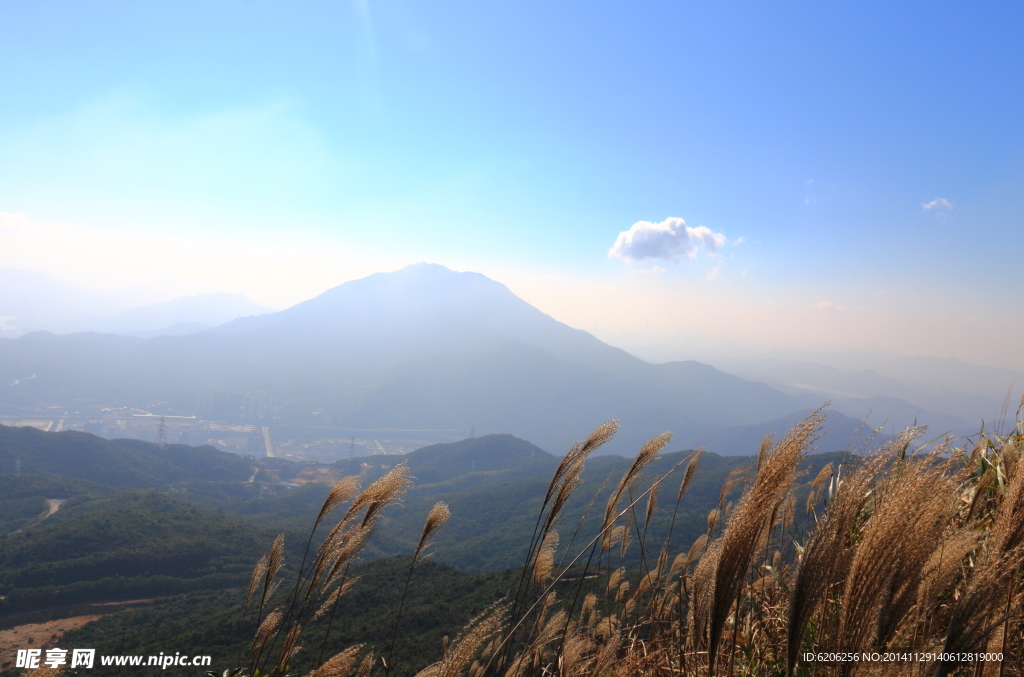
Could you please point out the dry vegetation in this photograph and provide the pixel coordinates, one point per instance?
(909, 550)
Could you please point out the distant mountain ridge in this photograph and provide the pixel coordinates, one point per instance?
(204, 310)
(30, 301)
(33, 301)
(423, 347)
(944, 393)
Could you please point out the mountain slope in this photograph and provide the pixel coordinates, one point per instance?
(126, 546)
(84, 521)
(427, 308)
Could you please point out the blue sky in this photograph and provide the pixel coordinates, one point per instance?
(280, 148)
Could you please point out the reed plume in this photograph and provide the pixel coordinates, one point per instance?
(647, 453)
(466, 645)
(545, 558)
(342, 491)
(339, 665)
(436, 519)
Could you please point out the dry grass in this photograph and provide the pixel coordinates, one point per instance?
(908, 548)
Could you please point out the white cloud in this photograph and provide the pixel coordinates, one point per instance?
(670, 240)
(714, 273)
(937, 203)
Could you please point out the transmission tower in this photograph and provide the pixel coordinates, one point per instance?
(161, 434)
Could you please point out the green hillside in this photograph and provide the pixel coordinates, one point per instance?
(117, 463)
(23, 500)
(127, 545)
(85, 522)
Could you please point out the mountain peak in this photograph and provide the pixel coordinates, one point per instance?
(424, 280)
(424, 268)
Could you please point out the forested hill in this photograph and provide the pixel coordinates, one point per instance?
(82, 522)
(490, 454)
(129, 545)
(116, 463)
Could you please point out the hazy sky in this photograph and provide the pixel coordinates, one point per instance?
(681, 174)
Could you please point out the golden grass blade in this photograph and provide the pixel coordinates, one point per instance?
(258, 573)
(647, 453)
(436, 519)
(545, 558)
(339, 665)
(333, 598)
(343, 490)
